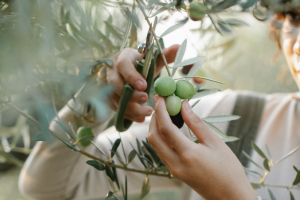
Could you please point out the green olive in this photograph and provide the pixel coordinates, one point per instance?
(184, 89)
(84, 131)
(196, 10)
(173, 104)
(164, 86)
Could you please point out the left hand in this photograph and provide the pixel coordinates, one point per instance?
(210, 168)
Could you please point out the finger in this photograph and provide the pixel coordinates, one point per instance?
(170, 54)
(172, 134)
(199, 128)
(137, 111)
(125, 66)
(165, 152)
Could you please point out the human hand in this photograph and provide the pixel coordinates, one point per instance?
(123, 71)
(210, 167)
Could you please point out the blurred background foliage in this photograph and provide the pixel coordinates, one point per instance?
(48, 48)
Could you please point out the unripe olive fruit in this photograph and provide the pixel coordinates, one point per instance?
(173, 104)
(164, 86)
(196, 10)
(184, 89)
(177, 120)
(82, 132)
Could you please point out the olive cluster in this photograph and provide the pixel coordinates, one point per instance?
(173, 92)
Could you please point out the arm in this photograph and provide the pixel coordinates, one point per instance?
(206, 167)
(53, 171)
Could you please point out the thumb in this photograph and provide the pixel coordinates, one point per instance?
(170, 54)
(197, 126)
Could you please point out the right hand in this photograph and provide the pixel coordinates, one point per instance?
(210, 168)
(123, 71)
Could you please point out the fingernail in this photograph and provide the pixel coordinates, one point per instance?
(155, 98)
(139, 85)
(187, 106)
(143, 99)
(149, 112)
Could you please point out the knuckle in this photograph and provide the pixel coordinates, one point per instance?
(119, 63)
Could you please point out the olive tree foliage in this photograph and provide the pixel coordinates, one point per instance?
(50, 50)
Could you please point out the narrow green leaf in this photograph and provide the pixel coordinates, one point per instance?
(66, 130)
(40, 137)
(224, 26)
(133, 35)
(125, 38)
(266, 164)
(113, 30)
(222, 135)
(295, 168)
(235, 22)
(174, 28)
(139, 147)
(98, 148)
(165, 7)
(110, 20)
(253, 172)
(258, 150)
(195, 68)
(72, 129)
(152, 152)
(125, 157)
(108, 61)
(288, 155)
(70, 145)
(142, 161)
(147, 62)
(116, 176)
(96, 164)
(292, 196)
(109, 194)
(147, 160)
(115, 147)
(249, 158)
(220, 118)
(209, 79)
(271, 194)
(212, 21)
(109, 173)
(145, 187)
(255, 186)
(189, 61)
(179, 55)
(268, 151)
(86, 138)
(162, 169)
(195, 103)
(131, 156)
(297, 179)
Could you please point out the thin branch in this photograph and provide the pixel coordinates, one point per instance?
(155, 37)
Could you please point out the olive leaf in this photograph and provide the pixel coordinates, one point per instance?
(235, 22)
(41, 137)
(96, 164)
(295, 168)
(98, 148)
(147, 160)
(249, 158)
(253, 172)
(195, 68)
(70, 145)
(111, 194)
(220, 118)
(145, 187)
(162, 169)
(271, 194)
(131, 156)
(142, 161)
(179, 55)
(147, 62)
(268, 151)
(255, 186)
(125, 38)
(292, 196)
(66, 130)
(152, 152)
(266, 164)
(297, 179)
(174, 28)
(258, 150)
(288, 155)
(109, 173)
(108, 44)
(113, 30)
(194, 104)
(165, 7)
(116, 175)
(189, 61)
(86, 138)
(72, 129)
(222, 135)
(209, 79)
(133, 35)
(115, 147)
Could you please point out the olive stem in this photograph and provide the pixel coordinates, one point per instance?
(122, 167)
(155, 37)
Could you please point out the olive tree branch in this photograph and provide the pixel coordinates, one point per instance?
(155, 37)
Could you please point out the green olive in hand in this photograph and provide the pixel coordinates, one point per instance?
(164, 86)
(196, 10)
(84, 131)
(173, 104)
(184, 89)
